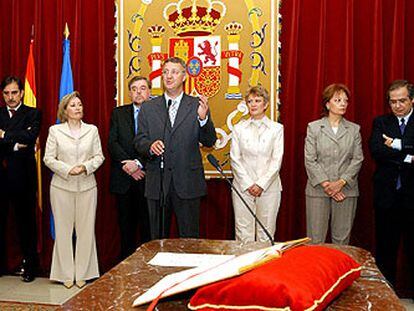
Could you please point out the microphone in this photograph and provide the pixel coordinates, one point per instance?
(169, 103)
(162, 201)
(213, 161)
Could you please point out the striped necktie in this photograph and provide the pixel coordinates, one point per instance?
(173, 111)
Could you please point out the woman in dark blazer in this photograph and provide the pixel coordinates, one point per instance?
(333, 158)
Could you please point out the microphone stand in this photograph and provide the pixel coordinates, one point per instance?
(162, 199)
(213, 161)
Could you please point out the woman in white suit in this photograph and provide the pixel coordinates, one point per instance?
(333, 158)
(73, 152)
(256, 155)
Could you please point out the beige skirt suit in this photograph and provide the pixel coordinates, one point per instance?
(73, 200)
(330, 156)
(256, 153)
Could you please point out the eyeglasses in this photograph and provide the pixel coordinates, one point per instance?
(402, 101)
(172, 72)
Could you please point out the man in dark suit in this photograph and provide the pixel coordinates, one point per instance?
(127, 169)
(171, 127)
(392, 147)
(19, 129)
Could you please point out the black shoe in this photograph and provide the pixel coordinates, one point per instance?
(28, 277)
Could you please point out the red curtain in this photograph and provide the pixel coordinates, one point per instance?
(91, 25)
(364, 44)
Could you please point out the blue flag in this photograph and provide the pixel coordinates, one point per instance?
(66, 79)
(66, 87)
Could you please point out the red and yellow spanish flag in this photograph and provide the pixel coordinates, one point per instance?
(30, 100)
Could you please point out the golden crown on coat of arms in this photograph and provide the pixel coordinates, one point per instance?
(156, 31)
(194, 18)
(233, 28)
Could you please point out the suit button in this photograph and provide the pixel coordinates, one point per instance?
(170, 169)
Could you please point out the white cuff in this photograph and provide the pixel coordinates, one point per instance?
(202, 122)
(408, 158)
(138, 163)
(396, 144)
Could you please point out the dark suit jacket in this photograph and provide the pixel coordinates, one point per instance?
(183, 163)
(24, 127)
(120, 145)
(390, 162)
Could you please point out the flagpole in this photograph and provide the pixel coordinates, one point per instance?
(66, 32)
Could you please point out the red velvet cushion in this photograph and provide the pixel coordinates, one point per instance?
(304, 278)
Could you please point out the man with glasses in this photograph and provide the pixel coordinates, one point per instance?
(19, 129)
(392, 147)
(171, 127)
(127, 168)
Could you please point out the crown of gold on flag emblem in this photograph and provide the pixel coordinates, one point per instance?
(233, 28)
(194, 18)
(156, 31)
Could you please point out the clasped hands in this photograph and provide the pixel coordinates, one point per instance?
(334, 189)
(255, 190)
(77, 170)
(132, 169)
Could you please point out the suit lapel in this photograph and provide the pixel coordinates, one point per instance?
(342, 129)
(393, 126)
(161, 108)
(327, 129)
(85, 128)
(183, 110)
(64, 128)
(129, 117)
(4, 116)
(410, 123)
(11, 122)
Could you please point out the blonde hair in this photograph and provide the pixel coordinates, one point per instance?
(259, 91)
(64, 102)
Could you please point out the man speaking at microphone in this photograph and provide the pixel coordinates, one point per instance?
(171, 127)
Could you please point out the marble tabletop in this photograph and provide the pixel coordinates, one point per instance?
(119, 287)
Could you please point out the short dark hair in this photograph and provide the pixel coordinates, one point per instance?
(175, 60)
(329, 92)
(138, 78)
(9, 80)
(397, 84)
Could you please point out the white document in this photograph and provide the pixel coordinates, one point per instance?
(206, 274)
(192, 278)
(167, 259)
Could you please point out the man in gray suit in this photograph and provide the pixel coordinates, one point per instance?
(127, 169)
(170, 129)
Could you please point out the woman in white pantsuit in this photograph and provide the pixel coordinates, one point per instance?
(256, 155)
(73, 152)
(333, 158)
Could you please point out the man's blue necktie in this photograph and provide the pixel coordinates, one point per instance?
(136, 121)
(402, 126)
